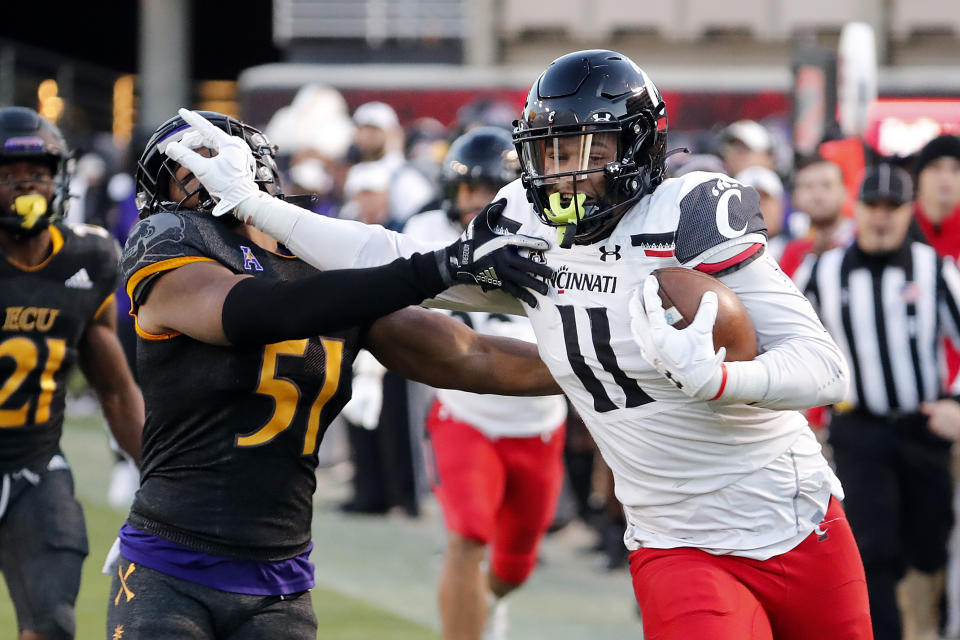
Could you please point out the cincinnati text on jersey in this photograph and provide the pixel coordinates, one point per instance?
(565, 279)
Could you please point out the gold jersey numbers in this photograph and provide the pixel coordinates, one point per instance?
(26, 357)
(286, 394)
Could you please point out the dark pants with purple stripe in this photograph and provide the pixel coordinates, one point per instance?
(150, 605)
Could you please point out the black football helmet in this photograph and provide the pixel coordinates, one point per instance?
(155, 170)
(25, 135)
(579, 96)
(484, 155)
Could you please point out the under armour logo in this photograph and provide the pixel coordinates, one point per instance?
(124, 590)
(118, 632)
(604, 252)
(249, 260)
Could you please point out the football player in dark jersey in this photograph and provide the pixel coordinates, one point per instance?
(57, 283)
(245, 357)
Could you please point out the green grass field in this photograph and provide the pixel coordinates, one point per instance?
(340, 617)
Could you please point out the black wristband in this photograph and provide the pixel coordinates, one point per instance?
(262, 311)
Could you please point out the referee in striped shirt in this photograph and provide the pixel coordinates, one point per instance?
(888, 301)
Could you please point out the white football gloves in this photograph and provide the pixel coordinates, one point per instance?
(229, 175)
(685, 356)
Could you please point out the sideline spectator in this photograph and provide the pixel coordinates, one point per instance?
(695, 162)
(937, 214)
(887, 300)
(819, 193)
(746, 143)
(367, 191)
(379, 138)
(770, 189)
(938, 194)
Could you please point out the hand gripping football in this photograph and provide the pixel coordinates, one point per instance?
(680, 293)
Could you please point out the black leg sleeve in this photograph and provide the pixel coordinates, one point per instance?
(258, 311)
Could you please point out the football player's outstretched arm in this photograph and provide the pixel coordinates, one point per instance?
(435, 349)
(210, 303)
(104, 364)
(481, 256)
(331, 243)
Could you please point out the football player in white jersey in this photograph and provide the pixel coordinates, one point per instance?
(734, 520)
(497, 460)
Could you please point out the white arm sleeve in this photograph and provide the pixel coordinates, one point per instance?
(799, 365)
(329, 243)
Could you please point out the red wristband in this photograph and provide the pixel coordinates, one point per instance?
(723, 381)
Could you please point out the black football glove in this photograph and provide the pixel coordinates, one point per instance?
(484, 257)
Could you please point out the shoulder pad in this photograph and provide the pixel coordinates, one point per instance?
(159, 238)
(519, 216)
(84, 230)
(91, 238)
(713, 210)
(94, 252)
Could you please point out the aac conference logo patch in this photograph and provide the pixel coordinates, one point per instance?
(249, 260)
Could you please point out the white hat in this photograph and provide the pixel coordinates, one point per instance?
(751, 133)
(376, 114)
(367, 176)
(310, 174)
(761, 179)
(317, 120)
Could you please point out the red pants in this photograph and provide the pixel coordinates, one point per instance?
(500, 492)
(816, 590)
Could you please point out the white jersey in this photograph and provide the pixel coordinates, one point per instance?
(745, 479)
(726, 478)
(495, 416)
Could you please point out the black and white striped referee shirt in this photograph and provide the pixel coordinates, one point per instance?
(887, 313)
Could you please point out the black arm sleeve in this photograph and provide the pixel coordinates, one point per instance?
(259, 311)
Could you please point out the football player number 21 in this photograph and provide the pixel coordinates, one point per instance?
(286, 394)
(26, 357)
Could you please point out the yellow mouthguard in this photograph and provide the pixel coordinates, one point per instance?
(30, 207)
(569, 214)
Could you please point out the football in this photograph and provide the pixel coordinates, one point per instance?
(680, 293)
